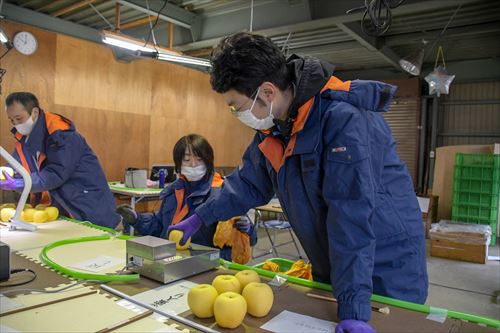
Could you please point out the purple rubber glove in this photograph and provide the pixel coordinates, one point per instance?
(11, 183)
(243, 225)
(354, 326)
(188, 226)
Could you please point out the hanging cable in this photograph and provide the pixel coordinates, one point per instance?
(441, 34)
(151, 26)
(251, 16)
(156, 22)
(377, 17)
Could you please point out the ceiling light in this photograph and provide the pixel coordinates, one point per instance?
(184, 59)
(149, 50)
(413, 62)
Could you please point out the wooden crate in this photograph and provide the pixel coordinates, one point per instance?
(444, 248)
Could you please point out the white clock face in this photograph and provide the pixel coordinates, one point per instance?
(25, 43)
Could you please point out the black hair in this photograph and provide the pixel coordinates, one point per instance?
(244, 61)
(28, 100)
(199, 146)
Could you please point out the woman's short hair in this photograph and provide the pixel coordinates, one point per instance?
(199, 146)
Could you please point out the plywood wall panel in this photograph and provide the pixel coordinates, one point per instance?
(89, 76)
(119, 140)
(33, 73)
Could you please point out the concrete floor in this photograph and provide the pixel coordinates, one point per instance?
(457, 285)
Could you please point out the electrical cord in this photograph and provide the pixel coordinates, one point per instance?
(377, 17)
(154, 24)
(17, 271)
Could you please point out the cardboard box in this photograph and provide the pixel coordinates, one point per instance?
(460, 241)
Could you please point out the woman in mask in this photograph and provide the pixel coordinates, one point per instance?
(64, 170)
(194, 163)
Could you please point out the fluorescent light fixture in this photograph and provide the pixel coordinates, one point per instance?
(129, 43)
(3, 37)
(184, 59)
(125, 42)
(413, 62)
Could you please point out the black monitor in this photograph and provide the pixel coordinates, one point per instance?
(170, 175)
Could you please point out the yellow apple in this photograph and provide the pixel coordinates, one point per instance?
(41, 206)
(230, 309)
(225, 283)
(201, 300)
(52, 213)
(6, 170)
(40, 216)
(27, 214)
(8, 205)
(176, 236)
(28, 206)
(259, 297)
(6, 214)
(246, 276)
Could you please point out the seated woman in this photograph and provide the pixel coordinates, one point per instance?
(194, 163)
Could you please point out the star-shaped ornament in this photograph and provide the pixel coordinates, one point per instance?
(439, 81)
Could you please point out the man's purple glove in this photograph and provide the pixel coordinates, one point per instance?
(243, 225)
(11, 183)
(188, 226)
(354, 326)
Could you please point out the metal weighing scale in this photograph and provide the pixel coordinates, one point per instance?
(158, 259)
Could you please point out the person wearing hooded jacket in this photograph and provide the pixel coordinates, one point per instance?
(194, 162)
(324, 148)
(64, 170)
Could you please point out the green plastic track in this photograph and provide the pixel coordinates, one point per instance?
(81, 275)
(376, 298)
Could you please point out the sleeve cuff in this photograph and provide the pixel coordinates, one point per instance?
(356, 310)
(205, 214)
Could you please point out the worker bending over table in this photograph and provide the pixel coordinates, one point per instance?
(323, 147)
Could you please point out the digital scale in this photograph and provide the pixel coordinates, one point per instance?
(158, 259)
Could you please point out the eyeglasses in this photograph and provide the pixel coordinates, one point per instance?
(253, 97)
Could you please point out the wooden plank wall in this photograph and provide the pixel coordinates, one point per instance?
(130, 114)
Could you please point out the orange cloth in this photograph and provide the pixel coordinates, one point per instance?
(227, 235)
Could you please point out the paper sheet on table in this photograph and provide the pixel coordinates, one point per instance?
(98, 264)
(7, 304)
(288, 321)
(171, 298)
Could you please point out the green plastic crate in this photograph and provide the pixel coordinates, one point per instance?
(476, 187)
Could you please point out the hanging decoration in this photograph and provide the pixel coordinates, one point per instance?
(439, 80)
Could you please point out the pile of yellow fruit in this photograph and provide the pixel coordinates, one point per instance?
(229, 298)
(39, 214)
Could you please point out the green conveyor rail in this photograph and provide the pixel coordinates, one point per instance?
(376, 298)
(44, 257)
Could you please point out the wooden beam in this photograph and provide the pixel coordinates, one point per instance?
(136, 23)
(170, 35)
(73, 7)
(117, 17)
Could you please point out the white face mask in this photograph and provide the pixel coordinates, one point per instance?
(249, 119)
(194, 173)
(26, 127)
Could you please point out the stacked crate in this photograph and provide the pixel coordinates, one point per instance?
(476, 187)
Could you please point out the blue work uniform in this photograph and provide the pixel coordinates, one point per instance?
(61, 162)
(348, 196)
(194, 194)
